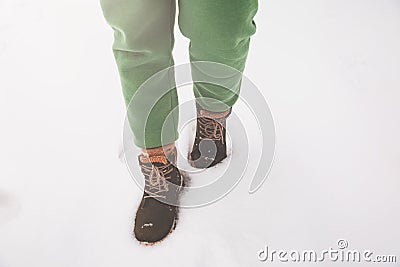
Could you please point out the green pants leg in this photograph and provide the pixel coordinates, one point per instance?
(219, 31)
(143, 42)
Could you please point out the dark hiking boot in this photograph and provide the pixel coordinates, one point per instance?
(209, 146)
(154, 218)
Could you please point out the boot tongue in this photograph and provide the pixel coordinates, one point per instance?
(157, 165)
(156, 170)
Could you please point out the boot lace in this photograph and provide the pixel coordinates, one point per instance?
(211, 129)
(156, 180)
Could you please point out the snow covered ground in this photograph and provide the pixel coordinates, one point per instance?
(330, 71)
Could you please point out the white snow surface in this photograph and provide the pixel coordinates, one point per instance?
(330, 72)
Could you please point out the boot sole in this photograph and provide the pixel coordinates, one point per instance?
(144, 243)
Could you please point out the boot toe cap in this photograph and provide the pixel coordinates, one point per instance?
(154, 224)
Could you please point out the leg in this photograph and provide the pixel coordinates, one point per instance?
(143, 33)
(143, 46)
(219, 31)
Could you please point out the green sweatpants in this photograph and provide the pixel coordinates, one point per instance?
(219, 31)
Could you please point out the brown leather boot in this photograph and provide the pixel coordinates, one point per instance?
(209, 146)
(154, 218)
